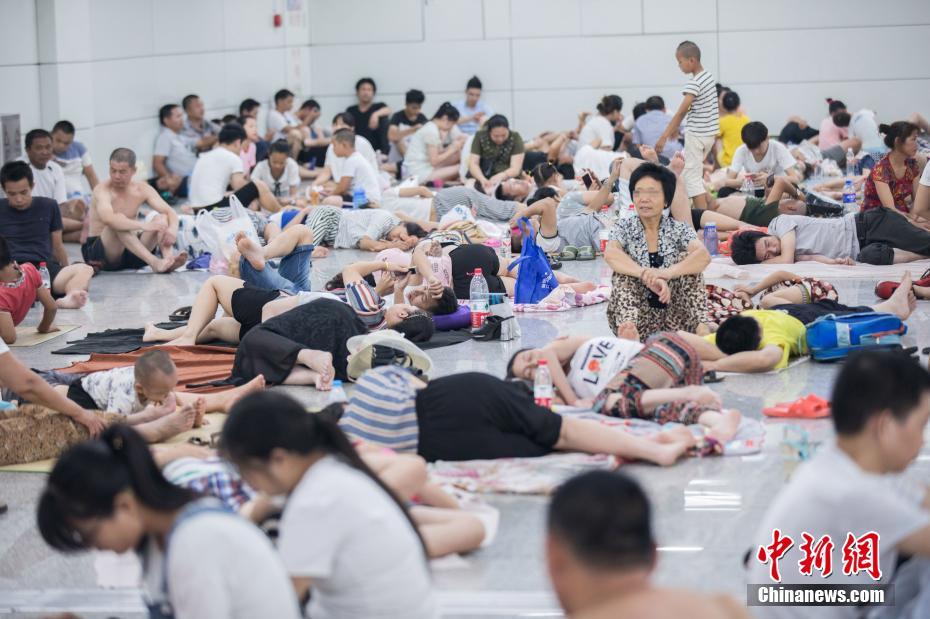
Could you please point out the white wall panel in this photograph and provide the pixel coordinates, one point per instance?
(123, 29)
(609, 61)
(362, 21)
(410, 65)
(177, 76)
(58, 83)
(496, 19)
(794, 63)
(194, 26)
(250, 23)
(256, 73)
(452, 20)
(684, 16)
(139, 135)
(124, 90)
(545, 18)
(765, 14)
(24, 99)
(611, 17)
(18, 43)
(73, 41)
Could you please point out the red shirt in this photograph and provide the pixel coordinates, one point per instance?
(17, 297)
(902, 189)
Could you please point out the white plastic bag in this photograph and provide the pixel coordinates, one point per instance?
(219, 236)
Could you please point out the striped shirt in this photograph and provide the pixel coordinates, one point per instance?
(383, 410)
(486, 207)
(210, 476)
(703, 118)
(367, 303)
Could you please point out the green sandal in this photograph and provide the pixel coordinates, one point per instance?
(586, 253)
(569, 252)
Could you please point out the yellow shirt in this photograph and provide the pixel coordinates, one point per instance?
(780, 329)
(731, 128)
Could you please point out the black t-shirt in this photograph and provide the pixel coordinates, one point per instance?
(477, 416)
(401, 120)
(29, 231)
(465, 259)
(361, 124)
(793, 134)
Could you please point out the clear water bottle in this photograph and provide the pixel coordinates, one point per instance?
(478, 299)
(711, 241)
(542, 384)
(851, 163)
(748, 187)
(506, 245)
(628, 212)
(338, 394)
(849, 193)
(358, 198)
(46, 278)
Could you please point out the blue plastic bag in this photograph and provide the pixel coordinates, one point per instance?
(535, 279)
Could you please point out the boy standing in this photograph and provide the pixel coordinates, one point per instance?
(851, 493)
(699, 110)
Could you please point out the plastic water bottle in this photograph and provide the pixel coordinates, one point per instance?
(358, 198)
(711, 240)
(478, 300)
(851, 163)
(748, 187)
(506, 245)
(849, 193)
(338, 394)
(542, 385)
(628, 212)
(46, 278)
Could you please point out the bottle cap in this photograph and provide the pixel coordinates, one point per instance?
(710, 224)
(542, 362)
(479, 272)
(337, 383)
(42, 264)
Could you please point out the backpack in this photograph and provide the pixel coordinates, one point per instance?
(535, 279)
(834, 337)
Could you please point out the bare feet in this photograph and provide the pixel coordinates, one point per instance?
(922, 292)
(668, 454)
(75, 299)
(628, 331)
(200, 409)
(319, 252)
(677, 163)
(321, 363)
(253, 386)
(250, 251)
(167, 265)
(155, 334)
(179, 421)
(674, 435)
(725, 428)
(902, 302)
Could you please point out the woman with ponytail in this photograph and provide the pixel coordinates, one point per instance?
(198, 559)
(434, 151)
(893, 181)
(344, 537)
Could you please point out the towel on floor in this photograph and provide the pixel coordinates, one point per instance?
(565, 298)
(441, 339)
(725, 268)
(28, 336)
(116, 341)
(196, 365)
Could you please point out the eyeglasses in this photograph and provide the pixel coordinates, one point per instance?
(642, 193)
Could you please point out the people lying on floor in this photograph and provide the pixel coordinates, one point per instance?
(878, 236)
(496, 154)
(893, 182)
(879, 412)
(49, 182)
(146, 395)
(198, 559)
(434, 150)
(759, 157)
(564, 223)
(484, 417)
(368, 229)
(33, 230)
(356, 174)
(372, 561)
(21, 286)
(621, 171)
(601, 554)
(280, 173)
(783, 197)
(332, 166)
(291, 274)
(765, 340)
(16, 378)
(657, 261)
(117, 238)
(75, 162)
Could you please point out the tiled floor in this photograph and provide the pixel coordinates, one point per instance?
(705, 509)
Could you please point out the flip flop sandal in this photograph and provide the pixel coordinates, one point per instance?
(554, 263)
(808, 407)
(182, 314)
(706, 446)
(586, 253)
(711, 378)
(570, 252)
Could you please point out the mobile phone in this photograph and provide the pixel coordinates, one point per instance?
(587, 179)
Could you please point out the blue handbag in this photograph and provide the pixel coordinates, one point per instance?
(535, 279)
(834, 337)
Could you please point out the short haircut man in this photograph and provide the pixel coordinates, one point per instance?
(186, 101)
(64, 126)
(655, 103)
(164, 112)
(753, 134)
(689, 49)
(414, 96)
(366, 80)
(281, 95)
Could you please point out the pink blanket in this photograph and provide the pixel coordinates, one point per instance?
(565, 298)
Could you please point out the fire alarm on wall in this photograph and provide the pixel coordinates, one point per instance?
(277, 20)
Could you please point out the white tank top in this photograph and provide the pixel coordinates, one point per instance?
(597, 361)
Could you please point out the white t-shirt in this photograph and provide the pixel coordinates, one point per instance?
(73, 161)
(355, 224)
(776, 160)
(220, 567)
(49, 182)
(280, 187)
(864, 126)
(831, 495)
(597, 361)
(362, 145)
(925, 177)
(362, 175)
(212, 174)
(597, 126)
(113, 391)
(346, 534)
(416, 161)
(277, 121)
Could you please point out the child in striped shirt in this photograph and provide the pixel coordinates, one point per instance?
(699, 111)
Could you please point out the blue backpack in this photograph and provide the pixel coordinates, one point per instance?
(834, 337)
(535, 279)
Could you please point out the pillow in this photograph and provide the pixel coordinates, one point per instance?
(459, 319)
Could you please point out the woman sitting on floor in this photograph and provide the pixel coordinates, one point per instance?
(894, 179)
(657, 261)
